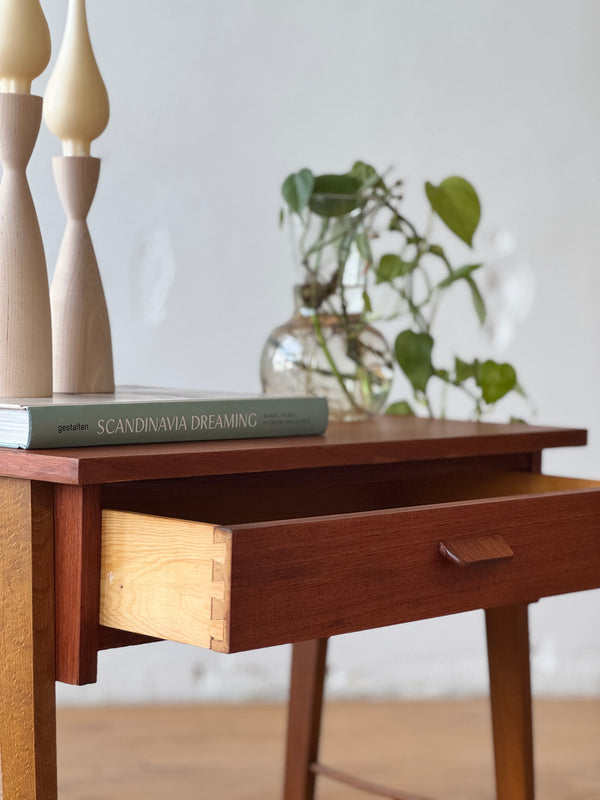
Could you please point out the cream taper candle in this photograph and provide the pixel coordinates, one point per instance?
(76, 110)
(24, 44)
(76, 105)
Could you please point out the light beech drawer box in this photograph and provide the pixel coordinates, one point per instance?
(482, 542)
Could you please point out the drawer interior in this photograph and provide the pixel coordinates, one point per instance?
(264, 497)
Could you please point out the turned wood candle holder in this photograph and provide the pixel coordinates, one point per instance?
(25, 329)
(82, 349)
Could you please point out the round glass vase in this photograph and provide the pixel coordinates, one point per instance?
(334, 354)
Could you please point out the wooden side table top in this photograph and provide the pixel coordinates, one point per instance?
(382, 440)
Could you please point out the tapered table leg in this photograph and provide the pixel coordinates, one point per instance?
(304, 718)
(510, 696)
(27, 700)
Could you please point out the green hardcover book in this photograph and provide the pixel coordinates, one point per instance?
(140, 415)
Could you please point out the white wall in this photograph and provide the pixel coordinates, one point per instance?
(212, 105)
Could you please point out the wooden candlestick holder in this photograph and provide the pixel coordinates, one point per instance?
(81, 338)
(25, 331)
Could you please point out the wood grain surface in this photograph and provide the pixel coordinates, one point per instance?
(81, 339)
(437, 749)
(253, 497)
(382, 440)
(27, 718)
(354, 782)
(25, 334)
(470, 550)
(77, 531)
(305, 579)
(304, 718)
(507, 632)
(165, 578)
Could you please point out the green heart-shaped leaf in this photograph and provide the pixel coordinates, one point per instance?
(496, 380)
(463, 370)
(392, 266)
(400, 409)
(413, 353)
(367, 175)
(297, 189)
(456, 203)
(335, 195)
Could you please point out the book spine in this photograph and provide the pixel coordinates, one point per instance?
(181, 421)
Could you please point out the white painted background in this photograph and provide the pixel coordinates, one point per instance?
(213, 104)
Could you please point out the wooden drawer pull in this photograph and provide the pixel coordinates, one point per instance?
(476, 550)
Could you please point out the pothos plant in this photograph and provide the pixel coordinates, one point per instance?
(362, 206)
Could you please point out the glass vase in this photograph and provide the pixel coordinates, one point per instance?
(334, 354)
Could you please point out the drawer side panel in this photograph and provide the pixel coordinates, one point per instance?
(165, 578)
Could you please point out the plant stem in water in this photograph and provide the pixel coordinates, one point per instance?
(323, 344)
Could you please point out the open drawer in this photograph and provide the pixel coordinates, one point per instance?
(452, 545)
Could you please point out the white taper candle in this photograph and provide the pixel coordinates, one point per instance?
(24, 44)
(76, 107)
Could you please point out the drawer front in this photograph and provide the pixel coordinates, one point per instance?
(268, 583)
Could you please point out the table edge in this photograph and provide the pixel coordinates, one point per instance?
(96, 465)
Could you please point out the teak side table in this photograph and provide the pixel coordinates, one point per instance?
(243, 544)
